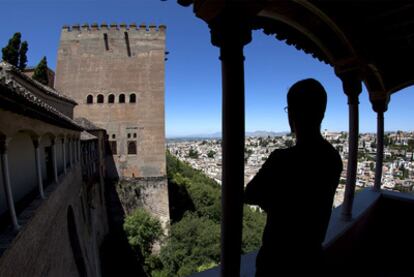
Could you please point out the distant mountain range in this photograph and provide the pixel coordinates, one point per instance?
(218, 135)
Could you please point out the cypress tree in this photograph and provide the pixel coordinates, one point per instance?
(11, 51)
(40, 72)
(22, 55)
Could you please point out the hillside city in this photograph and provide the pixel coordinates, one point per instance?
(398, 168)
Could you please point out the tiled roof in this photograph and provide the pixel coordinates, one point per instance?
(87, 136)
(86, 124)
(25, 96)
(46, 89)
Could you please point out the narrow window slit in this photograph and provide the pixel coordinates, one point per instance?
(106, 41)
(127, 44)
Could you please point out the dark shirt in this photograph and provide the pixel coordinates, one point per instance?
(295, 187)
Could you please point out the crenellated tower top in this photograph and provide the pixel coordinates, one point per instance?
(103, 27)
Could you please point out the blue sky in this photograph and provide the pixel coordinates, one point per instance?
(193, 77)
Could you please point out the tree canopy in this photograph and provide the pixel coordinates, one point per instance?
(142, 231)
(22, 55)
(15, 51)
(193, 244)
(40, 72)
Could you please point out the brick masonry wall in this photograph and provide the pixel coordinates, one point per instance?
(88, 66)
(148, 193)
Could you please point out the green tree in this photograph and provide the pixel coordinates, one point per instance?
(193, 244)
(410, 144)
(211, 154)
(11, 50)
(15, 51)
(142, 231)
(193, 153)
(40, 72)
(253, 226)
(22, 55)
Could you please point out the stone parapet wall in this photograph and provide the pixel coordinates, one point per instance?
(148, 193)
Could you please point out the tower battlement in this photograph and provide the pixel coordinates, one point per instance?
(133, 27)
(115, 72)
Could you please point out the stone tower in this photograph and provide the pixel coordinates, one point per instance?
(116, 75)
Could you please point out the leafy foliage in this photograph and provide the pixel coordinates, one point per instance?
(15, 51)
(211, 154)
(40, 72)
(193, 153)
(142, 231)
(194, 241)
(253, 225)
(22, 55)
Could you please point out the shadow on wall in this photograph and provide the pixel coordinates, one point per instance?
(75, 244)
(117, 256)
(111, 171)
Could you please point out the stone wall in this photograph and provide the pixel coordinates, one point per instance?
(43, 247)
(111, 61)
(148, 193)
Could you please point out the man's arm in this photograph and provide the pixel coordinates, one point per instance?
(257, 190)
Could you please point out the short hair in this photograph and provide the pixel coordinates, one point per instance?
(307, 101)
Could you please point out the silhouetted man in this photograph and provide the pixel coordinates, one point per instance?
(296, 187)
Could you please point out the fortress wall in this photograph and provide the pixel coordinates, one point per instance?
(119, 59)
(148, 193)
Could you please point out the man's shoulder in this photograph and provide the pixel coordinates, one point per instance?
(280, 156)
(280, 153)
(334, 155)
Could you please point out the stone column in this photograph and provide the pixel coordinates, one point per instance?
(6, 182)
(352, 87)
(55, 170)
(380, 107)
(70, 153)
(231, 34)
(36, 142)
(79, 151)
(76, 151)
(87, 159)
(64, 155)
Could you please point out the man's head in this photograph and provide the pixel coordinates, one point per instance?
(306, 104)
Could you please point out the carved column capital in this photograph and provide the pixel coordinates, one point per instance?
(352, 86)
(36, 141)
(228, 29)
(350, 76)
(380, 105)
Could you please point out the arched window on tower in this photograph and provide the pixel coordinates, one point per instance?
(122, 98)
(132, 98)
(111, 98)
(100, 99)
(89, 99)
(132, 148)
